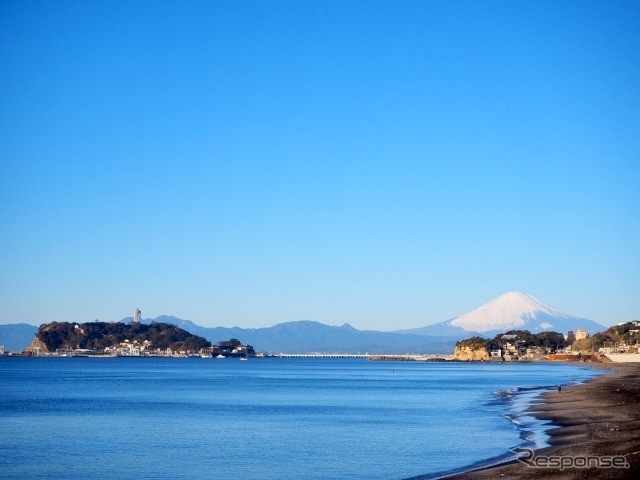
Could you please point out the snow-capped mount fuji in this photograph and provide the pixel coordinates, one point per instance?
(510, 311)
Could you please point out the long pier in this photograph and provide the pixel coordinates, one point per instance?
(380, 357)
(320, 355)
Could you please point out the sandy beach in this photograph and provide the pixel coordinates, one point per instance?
(598, 422)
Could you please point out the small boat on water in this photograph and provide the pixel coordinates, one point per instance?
(221, 356)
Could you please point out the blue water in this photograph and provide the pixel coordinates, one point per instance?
(270, 418)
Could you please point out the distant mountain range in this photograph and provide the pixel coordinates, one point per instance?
(307, 336)
(510, 311)
(16, 336)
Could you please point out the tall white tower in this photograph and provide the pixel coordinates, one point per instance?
(137, 316)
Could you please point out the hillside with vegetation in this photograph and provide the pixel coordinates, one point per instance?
(474, 343)
(626, 335)
(549, 340)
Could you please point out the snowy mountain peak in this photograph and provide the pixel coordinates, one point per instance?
(511, 310)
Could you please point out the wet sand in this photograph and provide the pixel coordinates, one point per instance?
(600, 418)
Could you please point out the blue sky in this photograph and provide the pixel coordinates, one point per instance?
(387, 164)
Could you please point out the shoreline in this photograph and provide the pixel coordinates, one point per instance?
(598, 419)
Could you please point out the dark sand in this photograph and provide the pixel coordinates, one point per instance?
(598, 418)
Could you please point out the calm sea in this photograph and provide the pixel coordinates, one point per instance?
(270, 418)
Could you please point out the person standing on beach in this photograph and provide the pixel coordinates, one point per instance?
(559, 388)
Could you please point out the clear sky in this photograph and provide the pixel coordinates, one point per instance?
(387, 164)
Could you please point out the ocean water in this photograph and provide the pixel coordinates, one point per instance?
(267, 418)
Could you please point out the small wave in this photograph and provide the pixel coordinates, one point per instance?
(509, 392)
(509, 395)
(506, 393)
(514, 419)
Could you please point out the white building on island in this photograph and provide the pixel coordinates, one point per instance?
(581, 334)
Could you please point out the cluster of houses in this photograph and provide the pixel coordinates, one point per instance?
(138, 349)
(135, 348)
(228, 348)
(513, 348)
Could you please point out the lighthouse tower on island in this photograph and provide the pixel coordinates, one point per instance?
(137, 316)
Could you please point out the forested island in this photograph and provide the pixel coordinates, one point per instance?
(135, 339)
